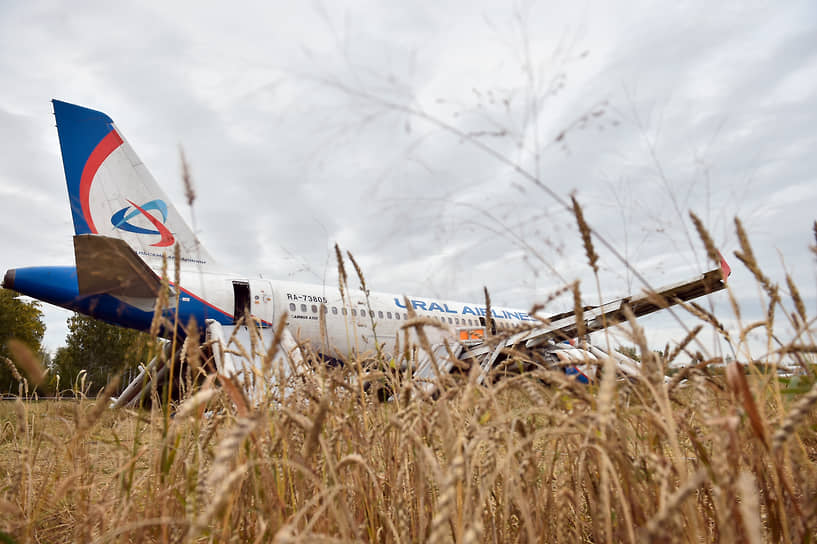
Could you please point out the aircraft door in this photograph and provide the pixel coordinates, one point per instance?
(241, 297)
(262, 302)
(484, 325)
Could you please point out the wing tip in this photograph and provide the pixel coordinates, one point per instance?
(726, 270)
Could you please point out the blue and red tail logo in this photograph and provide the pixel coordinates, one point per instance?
(121, 220)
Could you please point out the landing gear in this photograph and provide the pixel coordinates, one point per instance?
(163, 372)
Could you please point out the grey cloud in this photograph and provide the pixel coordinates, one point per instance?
(285, 165)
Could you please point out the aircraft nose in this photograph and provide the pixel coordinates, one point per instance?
(8, 279)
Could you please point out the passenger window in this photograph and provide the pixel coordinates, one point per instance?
(456, 320)
(291, 306)
(303, 307)
(380, 314)
(354, 312)
(405, 315)
(449, 321)
(343, 310)
(397, 316)
(388, 315)
(362, 313)
(334, 310)
(314, 309)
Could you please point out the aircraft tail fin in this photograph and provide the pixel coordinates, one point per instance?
(112, 193)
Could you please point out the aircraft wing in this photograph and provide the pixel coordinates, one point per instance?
(563, 326)
(108, 265)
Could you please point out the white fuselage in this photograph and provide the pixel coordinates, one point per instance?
(353, 323)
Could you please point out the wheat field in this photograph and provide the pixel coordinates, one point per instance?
(717, 453)
(533, 457)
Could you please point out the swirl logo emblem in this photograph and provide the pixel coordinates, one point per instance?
(121, 221)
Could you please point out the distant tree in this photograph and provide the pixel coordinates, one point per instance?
(23, 321)
(633, 353)
(100, 349)
(629, 351)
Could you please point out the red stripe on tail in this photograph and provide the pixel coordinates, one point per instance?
(101, 152)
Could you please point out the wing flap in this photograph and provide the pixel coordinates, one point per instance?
(110, 266)
(563, 326)
(597, 317)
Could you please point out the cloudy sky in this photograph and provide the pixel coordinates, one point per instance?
(398, 130)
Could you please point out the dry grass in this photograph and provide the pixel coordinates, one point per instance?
(515, 461)
(713, 457)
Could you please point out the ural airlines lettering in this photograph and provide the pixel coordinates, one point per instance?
(442, 307)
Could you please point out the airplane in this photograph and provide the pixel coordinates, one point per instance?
(125, 228)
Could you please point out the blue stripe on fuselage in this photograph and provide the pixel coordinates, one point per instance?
(580, 377)
(58, 285)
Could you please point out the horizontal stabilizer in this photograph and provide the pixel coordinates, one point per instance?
(110, 266)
